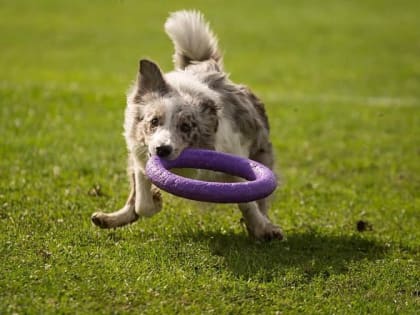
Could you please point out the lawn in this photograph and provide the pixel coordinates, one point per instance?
(341, 83)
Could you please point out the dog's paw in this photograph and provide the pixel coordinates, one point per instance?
(100, 220)
(272, 232)
(267, 232)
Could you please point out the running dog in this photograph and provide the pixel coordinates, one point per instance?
(193, 106)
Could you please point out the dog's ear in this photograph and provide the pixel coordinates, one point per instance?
(150, 78)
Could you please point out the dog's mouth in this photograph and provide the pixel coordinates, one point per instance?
(172, 156)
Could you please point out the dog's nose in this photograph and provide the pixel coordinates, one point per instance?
(163, 150)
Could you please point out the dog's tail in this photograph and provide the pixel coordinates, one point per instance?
(192, 37)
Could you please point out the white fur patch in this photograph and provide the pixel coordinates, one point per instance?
(188, 83)
(229, 141)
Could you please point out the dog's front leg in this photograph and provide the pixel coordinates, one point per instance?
(121, 217)
(258, 225)
(148, 198)
(144, 200)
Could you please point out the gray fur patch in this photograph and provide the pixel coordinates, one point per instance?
(245, 111)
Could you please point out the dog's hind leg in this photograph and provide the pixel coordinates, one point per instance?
(258, 225)
(121, 217)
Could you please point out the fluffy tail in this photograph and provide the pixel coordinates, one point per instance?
(192, 38)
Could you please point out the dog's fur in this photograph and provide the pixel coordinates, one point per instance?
(196, 105)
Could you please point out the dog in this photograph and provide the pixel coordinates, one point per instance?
(193, 106)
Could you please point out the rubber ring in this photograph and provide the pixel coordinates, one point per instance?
(260, 180)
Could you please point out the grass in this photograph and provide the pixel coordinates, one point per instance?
(340, 80)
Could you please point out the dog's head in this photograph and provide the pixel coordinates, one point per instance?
(163, 119)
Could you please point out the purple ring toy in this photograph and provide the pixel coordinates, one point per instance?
(260, 183)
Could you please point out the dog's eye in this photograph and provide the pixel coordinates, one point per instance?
(185, 128)
(154, 122)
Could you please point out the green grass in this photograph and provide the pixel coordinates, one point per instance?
(341, 82)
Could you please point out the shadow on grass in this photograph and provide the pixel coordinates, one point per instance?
(303, 255)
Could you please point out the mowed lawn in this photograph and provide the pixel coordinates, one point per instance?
(341, 83)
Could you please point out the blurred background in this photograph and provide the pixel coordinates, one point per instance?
(282, 48)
